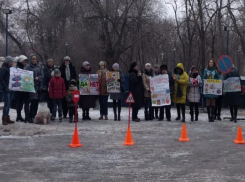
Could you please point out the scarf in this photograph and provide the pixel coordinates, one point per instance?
(68, 73)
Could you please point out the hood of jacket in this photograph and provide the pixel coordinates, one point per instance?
(179, 65)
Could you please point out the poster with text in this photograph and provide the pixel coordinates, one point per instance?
(113, 86)
(213, 87)
(89, 84)
(232, 84)
(21, 80)
(160, 93)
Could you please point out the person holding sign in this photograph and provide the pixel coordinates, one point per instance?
(164, 71)
(149, 114)
(103, 97)
(193, 95)
(211, 72)
(232, 87)
(136, 87)
(116, 97)
(179, 96)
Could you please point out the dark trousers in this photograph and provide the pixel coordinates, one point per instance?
(135, 111)
(193, 106)
(71, 112)
(49, 104)
(149, 113)
(56, 103)
(156, 111)
(233, 111)
(7, 98)
(21, 101)
(218, 106)
(117, 104)
(182, 107)
(34, 108)
(167, 110)
(64, 107)
(103, 100)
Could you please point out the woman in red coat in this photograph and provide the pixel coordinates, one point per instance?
(57, 91)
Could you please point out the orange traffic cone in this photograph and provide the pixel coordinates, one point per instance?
(183, 137)
(239, 138)
(128, 140)
(75, 140)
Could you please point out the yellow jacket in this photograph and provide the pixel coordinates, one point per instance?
(183, 81)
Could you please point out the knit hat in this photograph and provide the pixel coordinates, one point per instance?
(85, 63)
(73, 82)
(116, 65)
(163, 67)
(9, 59)
(102, 63)
(49, 60)
(192, 68)
(147, 64)
(56, 71)
(22, 58)
(156, 66)
(67, 58)
(133, 65)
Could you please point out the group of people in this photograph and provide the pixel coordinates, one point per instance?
(58, 86)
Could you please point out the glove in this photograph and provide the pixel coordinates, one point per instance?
(119, 80)
(149, 91)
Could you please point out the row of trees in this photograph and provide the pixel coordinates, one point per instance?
(126, 30)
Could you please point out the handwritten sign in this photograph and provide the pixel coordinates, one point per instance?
(232, 84)
(89, 84)
(213, 87)
(113, 86)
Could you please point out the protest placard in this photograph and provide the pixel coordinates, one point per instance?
(89, 84)
(213, 87)
(232, 84)
(113, 86)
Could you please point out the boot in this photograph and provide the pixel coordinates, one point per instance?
(84, 115)
(156, 113)
(9, 121)
(212, 113)
(115, 110)
(106, 117)
(146, 116)
(4, 120)
(87, 115)
(161, 114)
(192, 117)
(209, 116)
(235, 114)
(19, 118)
(232, 114)
(196, 116)
(115, 117)
(101, 117)
(183, 113)
(178, 112)
(119, 113)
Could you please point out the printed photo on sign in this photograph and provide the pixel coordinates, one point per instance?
(21, 80)
(113, 86)
(213, 87)
(160, 93)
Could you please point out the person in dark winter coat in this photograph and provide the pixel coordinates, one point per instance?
(7, 94)
(193, 95)
(23, 98)
(47, 71)
(117, 97)
(156, 72)
(211, 72)
(38, 81)
(147, 92)
(68, 73)
(164, 71)
(69, 99)
(136, 87)
(57, 91)
(103, 97)
(232, 98)
(87, 101)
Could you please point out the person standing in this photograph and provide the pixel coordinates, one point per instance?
(69, 99)
(156, 72)
(147, 92)
(179, 96)
(68, 73)
(57, 91)
(232, 98)
(47, 71)
(136, 87)
(218, 103)
(103, 94)
(193, 95)
(211, 72)
(7, 94)
(87, 101)
(38, 81)
(164, 71)
(23, 98)
(117, 97)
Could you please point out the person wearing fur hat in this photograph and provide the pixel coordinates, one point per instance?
(7, 94)
(69, 99)
(87, 101)
(57, 91)
(164, 71)
(103, 96)
(136, 87)
(38, 81)
(193, 94)
(47, 71)
(147, 92)
(68, 73)
(22, 98)
(117, 97)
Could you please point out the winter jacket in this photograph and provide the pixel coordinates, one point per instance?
(114, 96)
(87, 101)
(194, 92)
(57, 89)
(136, 87)
(47, 75)
(102, 82)
(72, 72)
(146, 81)
(4, 76)
(211, 73)
(232, 98)
(69, 97)
(183, 81)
